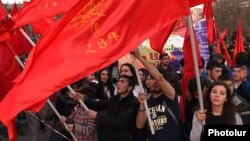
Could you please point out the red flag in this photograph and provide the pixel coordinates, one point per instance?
(239, 43)
(225, 51)
(9, 69)
(224, 33)
(42, 9)
(87, 39)
(14, 10)
(208, 14)
(17, 40)
(41, 26)
(193, 3)
(217, 49)
(218, 43)
(4, 34)
(19, 43)
(189, 70)
(3, 12)
(157, 42)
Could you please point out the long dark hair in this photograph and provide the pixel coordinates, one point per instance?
(101, 84)
(228, 112)
(132, 69)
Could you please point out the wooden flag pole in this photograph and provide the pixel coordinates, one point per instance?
(190, 28)
(145, 101)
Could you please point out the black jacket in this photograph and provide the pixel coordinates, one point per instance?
(117, 116)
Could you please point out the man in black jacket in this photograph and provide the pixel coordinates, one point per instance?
(117, 114)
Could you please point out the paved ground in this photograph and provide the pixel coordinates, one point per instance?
(43, 136)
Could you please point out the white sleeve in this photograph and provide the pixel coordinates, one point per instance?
(196, 130)
(136, 90)
(238, 119)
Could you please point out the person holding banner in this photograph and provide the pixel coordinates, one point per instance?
(163, 99)
(220, 110)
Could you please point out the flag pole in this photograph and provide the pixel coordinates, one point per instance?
(49, 102)
(190, 28)
(80, 101)
(142, 90)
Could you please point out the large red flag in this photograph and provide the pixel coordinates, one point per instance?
(193, 3)
(3, 12)
(42, 9)
(189, 70)
(158, 41)
(239, 42)
(209, 16)
(87, 39)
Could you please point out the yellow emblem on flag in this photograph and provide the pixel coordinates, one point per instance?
(89, 14)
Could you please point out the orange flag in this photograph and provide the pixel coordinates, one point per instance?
(189, 70)
(239, 42)
(209, 16)
(88, 38)
(41, 9)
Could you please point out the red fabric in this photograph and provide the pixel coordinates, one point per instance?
(3, 12)
(239, 43)
(208, 14)
(4, 34)
(42, 9)
(9, 69)
(218, 43)
(14, 10)
(225, 51)
(224, 33)
(87, 39)
(17, 41)
(189, 70)
(41, 26)
(158, 41)
(217, 49)
(193, 3)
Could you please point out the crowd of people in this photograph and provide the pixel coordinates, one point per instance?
(117, 105)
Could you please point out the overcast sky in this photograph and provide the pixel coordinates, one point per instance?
(13, 1)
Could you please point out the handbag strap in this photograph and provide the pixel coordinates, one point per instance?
(171, 113)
